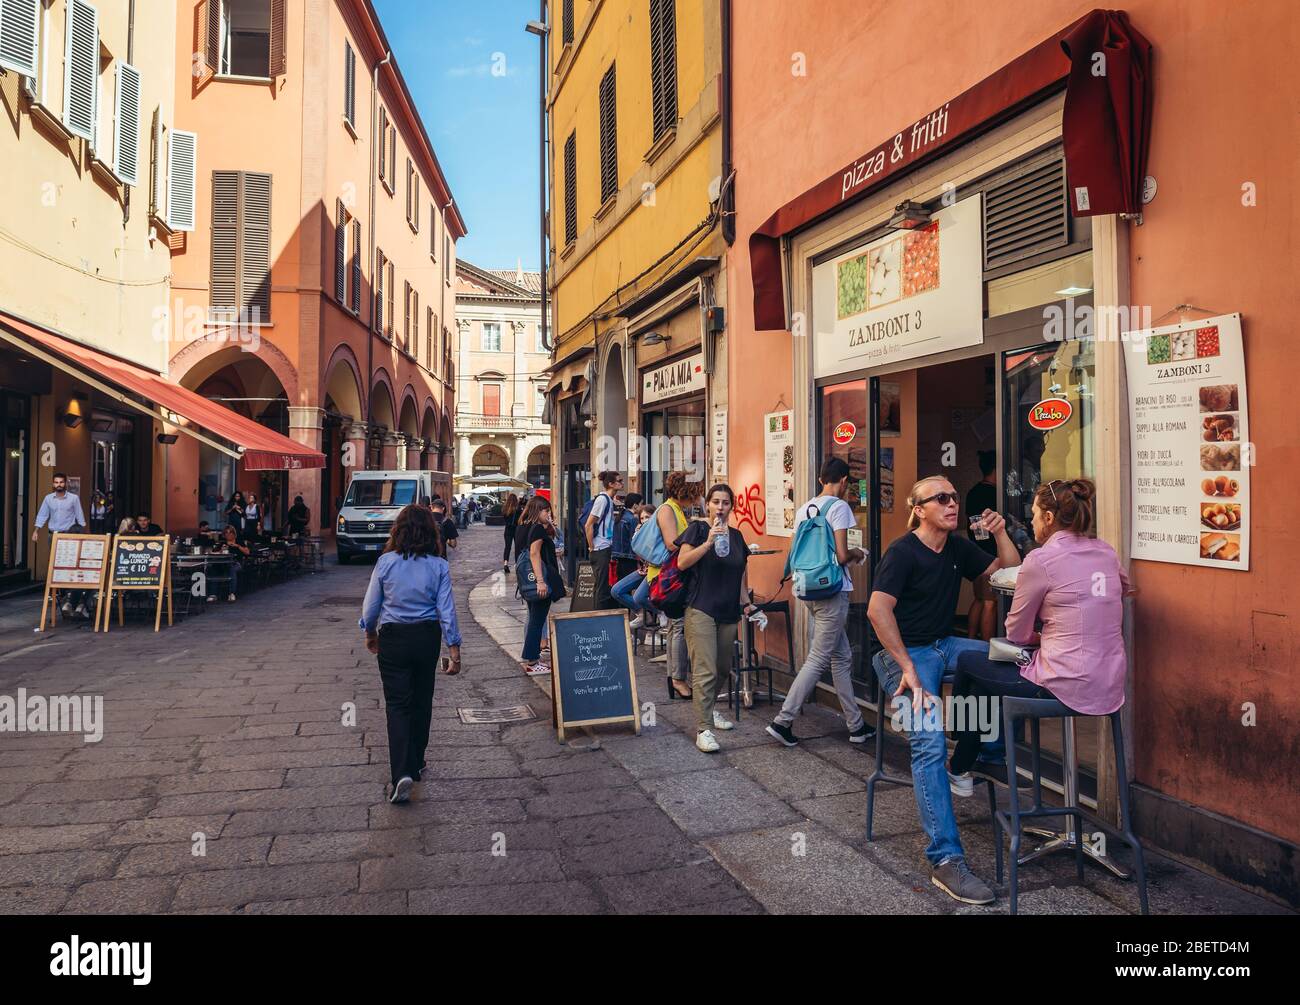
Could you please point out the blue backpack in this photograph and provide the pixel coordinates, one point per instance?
(812, 561)
(648, 542)
(586, 512)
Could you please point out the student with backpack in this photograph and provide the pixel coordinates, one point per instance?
(717, 558)
(656, 542)
(819, 562)
(598, 525)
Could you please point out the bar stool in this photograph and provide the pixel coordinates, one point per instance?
(880, 775)
(1035, 710)
(746, 658)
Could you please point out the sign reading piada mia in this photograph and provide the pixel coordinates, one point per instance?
(908, 294)
(1191, 447)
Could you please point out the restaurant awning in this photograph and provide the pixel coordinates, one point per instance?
(260, 448)
(1106, 126)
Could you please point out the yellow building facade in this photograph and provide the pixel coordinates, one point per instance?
(637, 185)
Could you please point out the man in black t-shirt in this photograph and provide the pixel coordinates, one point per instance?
(913, 600)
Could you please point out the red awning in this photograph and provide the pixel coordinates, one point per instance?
(263, 448)
(1106, 125)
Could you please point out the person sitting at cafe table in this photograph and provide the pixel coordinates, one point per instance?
(913, 602)
(231, 545)
(1075, 586)
(145, 527)
(299, 516)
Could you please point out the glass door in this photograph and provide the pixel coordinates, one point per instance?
(13, 488)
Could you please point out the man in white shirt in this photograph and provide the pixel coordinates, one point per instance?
(830, 647)
(61, 512)
(599, 529)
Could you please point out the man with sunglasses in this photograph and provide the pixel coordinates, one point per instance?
(599, 528)
(913, 601)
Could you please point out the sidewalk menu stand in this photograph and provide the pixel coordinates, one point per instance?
(593, 677)
(143, 564)
(78, 562)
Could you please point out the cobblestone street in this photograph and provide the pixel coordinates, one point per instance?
(225, 731)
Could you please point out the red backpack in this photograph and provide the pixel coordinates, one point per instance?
(669, 592)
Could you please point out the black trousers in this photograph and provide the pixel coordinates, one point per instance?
(980, 676)
(408, 661)
(510, 542)
(600, 566)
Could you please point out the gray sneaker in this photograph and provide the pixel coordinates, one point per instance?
(953, 877)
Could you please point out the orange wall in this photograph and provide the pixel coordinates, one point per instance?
(1206, 640)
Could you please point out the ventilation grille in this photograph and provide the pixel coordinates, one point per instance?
(1026, 215)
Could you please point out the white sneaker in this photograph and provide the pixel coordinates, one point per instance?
(82, 612)
(963, 786)
(538, 669)
(231, 598)
(720, 723)
(705, 742)
(663, 620)
(661, 658)
(635, 623)
(66, 608)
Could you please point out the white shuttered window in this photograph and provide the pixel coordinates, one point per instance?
(20, 32)
(182, 163)
(126, 125)
(81, 70)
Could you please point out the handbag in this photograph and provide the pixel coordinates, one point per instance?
(1003, 650)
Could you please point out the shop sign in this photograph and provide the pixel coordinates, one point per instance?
(908, 294)
(1190, 444)
(778, 472)
(719, 445)
(683, 376)
(844, 433)
(1050, 413)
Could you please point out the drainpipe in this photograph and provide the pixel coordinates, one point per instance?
(728, 207)
(370, 328)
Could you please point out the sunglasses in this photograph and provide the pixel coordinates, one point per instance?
(1051, 487)
(942, 498)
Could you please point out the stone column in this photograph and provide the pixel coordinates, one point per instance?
(394, 448)
(305, 428)
(414, 449)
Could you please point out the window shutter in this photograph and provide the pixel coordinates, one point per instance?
(1026, 214)
(379, 292)
(383, 142)
(156, 164)
(20, 33)
(224, 292)
(277, 38)
(433, 232)
(389, 282)
(608, 137)
(406, 315)
(416, 203)
(571, 188)
(410, 174)
(182, 163)
(567, 19)
(392, 154)
(414, 347)
(81, 71)
(340, 252)
(356, 266)
(126, 125)
(663, 64)
(255, 248)
(212, 36)
(349, 84)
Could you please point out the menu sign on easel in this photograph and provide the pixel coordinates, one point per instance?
(1191, 447)
(144, 564)
(77, 562)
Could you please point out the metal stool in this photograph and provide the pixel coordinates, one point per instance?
(747, 661)
(880, 775)
(1036, 709)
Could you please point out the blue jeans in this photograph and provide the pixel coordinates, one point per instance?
(929, 751)
(537, 610)
(633, 592)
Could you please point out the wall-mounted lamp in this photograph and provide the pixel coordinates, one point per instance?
(73, 416)
(909, 215)
(168, 438)
(654, 338)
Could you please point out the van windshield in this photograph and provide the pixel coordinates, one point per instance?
(380, 492)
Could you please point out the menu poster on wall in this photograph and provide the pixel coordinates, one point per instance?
(907, 294)
(778, 472)
(1190, 444)
(719, 445)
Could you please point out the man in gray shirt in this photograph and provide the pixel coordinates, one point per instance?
(61, 512)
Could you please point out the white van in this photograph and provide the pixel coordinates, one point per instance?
(373, 500)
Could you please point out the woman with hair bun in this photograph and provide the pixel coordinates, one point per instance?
(1074, 585)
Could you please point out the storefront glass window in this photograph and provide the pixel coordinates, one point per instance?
(1066, 371)
(674, 442)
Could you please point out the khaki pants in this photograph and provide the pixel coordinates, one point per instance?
(710, 646)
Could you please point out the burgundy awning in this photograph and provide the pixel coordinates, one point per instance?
(1095, 154)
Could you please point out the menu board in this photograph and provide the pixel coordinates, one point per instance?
(139, 562)
(778, 472)
(592, 674)
(77, 561)
(584, 588)
(1191, 447)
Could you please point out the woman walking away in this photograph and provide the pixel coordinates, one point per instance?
(407, 611)
(510, 510)
(536, 534)
(718, 598)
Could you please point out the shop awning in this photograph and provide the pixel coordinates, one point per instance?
(260, 448)
(1106, 126)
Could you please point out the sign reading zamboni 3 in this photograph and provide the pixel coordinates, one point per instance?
(592, 674)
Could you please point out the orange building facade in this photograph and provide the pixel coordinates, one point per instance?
(315, 293)
(862, 132)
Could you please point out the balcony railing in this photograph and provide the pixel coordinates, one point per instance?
(521, 423)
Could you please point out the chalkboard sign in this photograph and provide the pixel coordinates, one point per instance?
(593, 679)
(140, 563)
(584, 589)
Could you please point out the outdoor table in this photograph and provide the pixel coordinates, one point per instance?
(1068, 839)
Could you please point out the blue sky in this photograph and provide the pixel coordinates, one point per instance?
(473, 72)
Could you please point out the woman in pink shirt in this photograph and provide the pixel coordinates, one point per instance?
(1074, 587)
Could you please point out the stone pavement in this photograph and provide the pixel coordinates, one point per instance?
(224, 735)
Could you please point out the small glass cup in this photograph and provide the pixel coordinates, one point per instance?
(977, 528)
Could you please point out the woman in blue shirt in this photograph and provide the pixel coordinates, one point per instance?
(408, 609)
